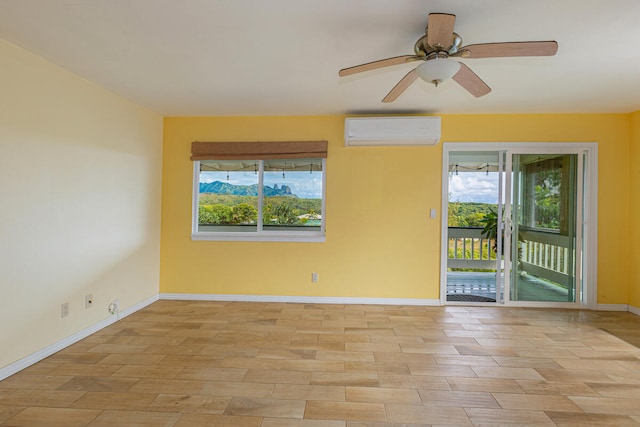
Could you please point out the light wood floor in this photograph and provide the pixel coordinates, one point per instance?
(178, 363)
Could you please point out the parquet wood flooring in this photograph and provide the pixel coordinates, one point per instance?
(196, 363)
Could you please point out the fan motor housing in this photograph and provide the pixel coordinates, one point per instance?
(422, 48)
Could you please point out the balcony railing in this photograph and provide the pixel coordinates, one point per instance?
(468, 249)
(544, 254)
(548, 255)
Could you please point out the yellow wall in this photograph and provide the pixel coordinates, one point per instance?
(80, 196)
(380, 242)
(634, 208)
(80, 189)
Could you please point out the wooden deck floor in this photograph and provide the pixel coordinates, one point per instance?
(483, 285)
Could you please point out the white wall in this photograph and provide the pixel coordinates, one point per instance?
(80, 177)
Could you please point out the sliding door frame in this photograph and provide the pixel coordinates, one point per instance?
(587, 267)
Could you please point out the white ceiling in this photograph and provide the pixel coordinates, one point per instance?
(281, 57)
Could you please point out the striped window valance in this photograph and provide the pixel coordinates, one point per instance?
(258, 150)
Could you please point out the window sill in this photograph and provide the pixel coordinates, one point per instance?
(311, 237)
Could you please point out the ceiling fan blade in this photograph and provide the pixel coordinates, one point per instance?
(378, 64)
(440, 30)
(510, 49)
(471, 82)
(402, 85)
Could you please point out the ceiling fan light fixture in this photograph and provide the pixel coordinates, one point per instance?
(437, 70)
(440, 43)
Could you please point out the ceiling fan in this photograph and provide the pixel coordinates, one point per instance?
(437, 48)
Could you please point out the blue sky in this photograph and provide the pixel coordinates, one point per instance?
(473, 187)
(303, 184)
(463, 187)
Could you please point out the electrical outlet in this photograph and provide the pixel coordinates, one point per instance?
(114, 307)
(64, 310)
(88, 301)
(314, 277)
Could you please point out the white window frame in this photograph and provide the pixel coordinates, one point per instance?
(260, 235)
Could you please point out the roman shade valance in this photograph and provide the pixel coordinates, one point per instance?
(258, 150)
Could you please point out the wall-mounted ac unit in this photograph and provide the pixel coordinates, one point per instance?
(413, 130)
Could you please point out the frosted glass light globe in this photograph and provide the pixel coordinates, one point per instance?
(438, 70)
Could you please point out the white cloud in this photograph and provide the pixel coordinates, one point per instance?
(473, 187)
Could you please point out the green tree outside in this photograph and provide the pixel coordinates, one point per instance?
(227, 209)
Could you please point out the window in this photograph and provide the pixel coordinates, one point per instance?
(270, 199)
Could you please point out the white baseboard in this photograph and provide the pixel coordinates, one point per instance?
(344, 300)
(612, 307)
(634, 310)
(25, 362)
(303, 300)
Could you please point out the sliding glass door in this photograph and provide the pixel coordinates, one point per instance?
(529, 245)
(544, 219)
